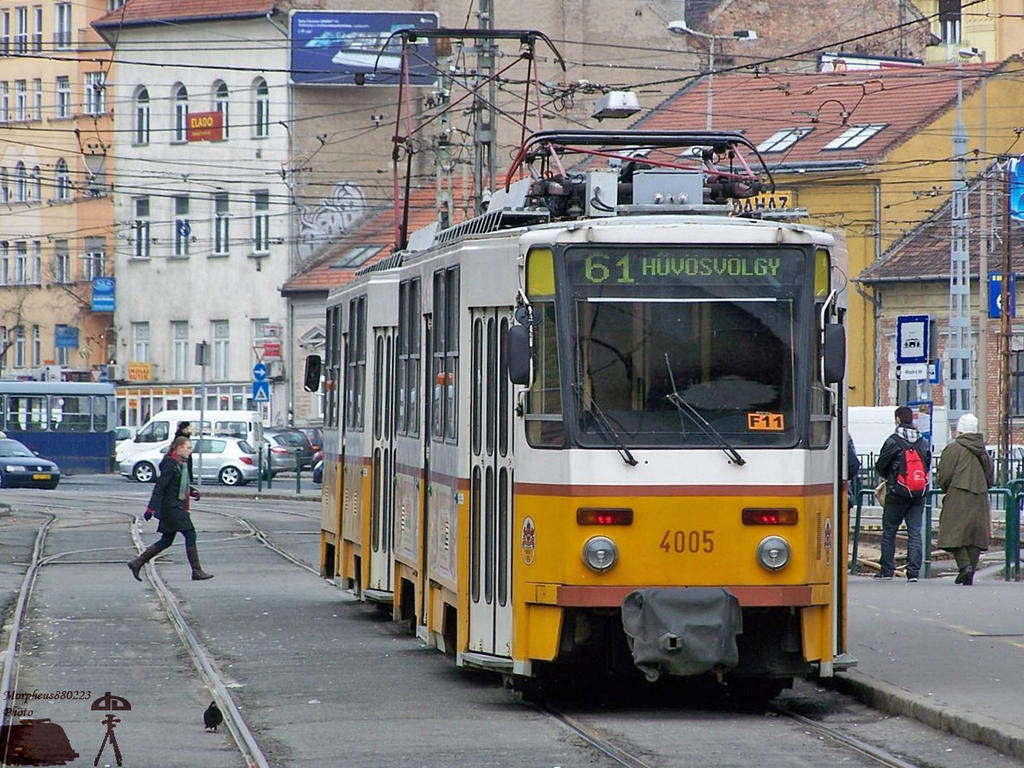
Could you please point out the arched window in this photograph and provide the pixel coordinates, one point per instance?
(35, 185)
(180, 113)
(20, 183)
(5, 187)
(63, 181)
(220, 101)
(262, 108)
(142, 116)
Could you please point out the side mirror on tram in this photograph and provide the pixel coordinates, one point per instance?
(833, 362)
(518, 340)
(311, 376)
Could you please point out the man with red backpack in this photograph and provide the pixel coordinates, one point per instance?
(904, 463)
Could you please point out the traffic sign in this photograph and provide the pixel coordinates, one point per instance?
(261, 391)
(912, 339)
(995, 295)
(259, 372)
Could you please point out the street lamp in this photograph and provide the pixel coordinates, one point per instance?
(679, 27)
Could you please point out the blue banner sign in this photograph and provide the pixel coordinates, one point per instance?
(995, 295)
(65, 337)
(357, 48)
(1017, 188)
(102, 294)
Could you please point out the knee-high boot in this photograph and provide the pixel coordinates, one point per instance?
(136, 565)
(198, 574)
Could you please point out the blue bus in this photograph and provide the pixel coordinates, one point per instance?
(70, 422)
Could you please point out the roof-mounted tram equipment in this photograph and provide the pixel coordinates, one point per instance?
(601, 424)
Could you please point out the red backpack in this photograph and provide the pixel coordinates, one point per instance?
(911, 472)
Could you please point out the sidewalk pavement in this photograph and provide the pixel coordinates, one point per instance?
(948, 655)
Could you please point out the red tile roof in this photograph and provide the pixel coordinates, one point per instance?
(903, 100)
(142, 12)
(377, 229)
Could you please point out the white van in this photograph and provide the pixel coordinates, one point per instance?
(159, 430)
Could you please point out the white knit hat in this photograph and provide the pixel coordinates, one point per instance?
(968, 423)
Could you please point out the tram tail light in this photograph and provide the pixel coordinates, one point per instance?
(769, 516)
(596, 516)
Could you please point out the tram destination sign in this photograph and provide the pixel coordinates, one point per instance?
(685, 266)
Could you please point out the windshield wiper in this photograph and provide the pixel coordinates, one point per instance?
(684, 407)
(606, 426)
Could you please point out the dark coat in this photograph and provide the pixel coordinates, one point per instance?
(893, 446)
(172, 511)
(965, 474)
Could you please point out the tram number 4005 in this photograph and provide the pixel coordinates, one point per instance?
(688, 542)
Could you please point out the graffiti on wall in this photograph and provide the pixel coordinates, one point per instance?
(330, 218)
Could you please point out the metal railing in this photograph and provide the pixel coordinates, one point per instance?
(1008, 499)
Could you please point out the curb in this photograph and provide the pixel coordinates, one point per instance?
(981, 729)
(255, 496)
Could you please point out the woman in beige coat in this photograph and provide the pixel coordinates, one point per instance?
(965, 475)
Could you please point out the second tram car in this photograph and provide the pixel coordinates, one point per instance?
(601, 424)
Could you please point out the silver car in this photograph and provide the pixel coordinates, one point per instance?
(228, 460)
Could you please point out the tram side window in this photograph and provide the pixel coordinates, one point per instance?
(545, 427)
(445, 354)
(408, 357)
(332, 360)
(356, 379)
(99, 414)
(821, 396)
(27, 413)
(69, 413)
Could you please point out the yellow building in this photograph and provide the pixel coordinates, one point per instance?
(868, 152)
(55, 171)
(994, 27)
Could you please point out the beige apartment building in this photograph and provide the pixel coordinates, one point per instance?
(56, 217)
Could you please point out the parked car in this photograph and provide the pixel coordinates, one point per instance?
(22, 468)
(282, 445)
(316, 437)
(123, 433)
(224, 458)
(318, 470)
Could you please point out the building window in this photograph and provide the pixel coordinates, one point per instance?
(179, 335)
(220, 223)
(182, 226)
(5, 103)
(35, 186)
(61, 262)
(21, 38)
(20, 262)
(95, 93)
(220, 99)
(221, 349)
(142, 117)
(949, 21)
(19, 347)
(62, 26)
(5, 33)
(140, 342)
(5, 187)
(92, 264)
(63, 96)
(37, 99)
(261, 221)
(20, 100)
(37, 262)
(262, 112)
(854, 136)
(140, 227)
(180, 113)
(37, 29)
(37, 346)
(20, 183)
(5, 252)
(63, 181)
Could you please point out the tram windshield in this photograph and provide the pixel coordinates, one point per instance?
(714, 327)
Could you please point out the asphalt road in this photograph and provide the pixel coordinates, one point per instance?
(322, 679)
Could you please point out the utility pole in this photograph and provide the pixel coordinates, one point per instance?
(983, 245)
(484, 140)
(958, 347)
(1004, 333)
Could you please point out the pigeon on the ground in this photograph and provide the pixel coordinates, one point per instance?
(212, 716)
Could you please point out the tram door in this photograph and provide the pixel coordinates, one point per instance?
(382, 508)
(490, 487)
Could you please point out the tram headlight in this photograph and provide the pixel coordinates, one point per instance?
(773, 553)
(600, 553)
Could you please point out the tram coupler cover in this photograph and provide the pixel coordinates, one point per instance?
(682, 630)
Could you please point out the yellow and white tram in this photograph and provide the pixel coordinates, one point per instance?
(602, 423)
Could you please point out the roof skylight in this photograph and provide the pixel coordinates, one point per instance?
(854, 136)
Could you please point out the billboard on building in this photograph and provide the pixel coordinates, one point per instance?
(103, 294)
(205, 126)
(357, 48)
